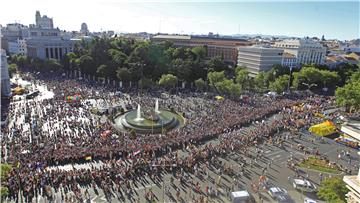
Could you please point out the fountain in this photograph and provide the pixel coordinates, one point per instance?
(138, 115)
(157, 107)
(154, 121)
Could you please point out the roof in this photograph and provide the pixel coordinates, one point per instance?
(352, 128)
(276, 189)
(302, 182)
(243, 193)
(219, 38)
(183, 37)
(352, 56)
(288, 55)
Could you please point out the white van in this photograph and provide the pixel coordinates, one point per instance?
(240, 197)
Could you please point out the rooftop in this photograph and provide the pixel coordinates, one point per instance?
(183, 37)
(352, 128)
(288, 55)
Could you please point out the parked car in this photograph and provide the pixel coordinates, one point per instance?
(242, 196)
(279, 194)
(32, 95)
(308, 200)
(304, 185)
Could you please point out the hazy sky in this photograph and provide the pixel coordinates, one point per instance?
(294, 18)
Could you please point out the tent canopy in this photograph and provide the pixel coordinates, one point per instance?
(219, 97)
(323, 129)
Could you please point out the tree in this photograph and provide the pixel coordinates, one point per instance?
(345, 70)
(217, 64)
(260, 83)
(182, 69)
(330, 78)
(102, 71)
(349, 95)
(332, 190)
(242, 78)
(86, 64)
(308, 75)
(280, 84)
(13, 68)
(215, 77)
(5, 169)
(200, 84)
(168, 80)
(200, 52)
(146, 83)
(123, 74)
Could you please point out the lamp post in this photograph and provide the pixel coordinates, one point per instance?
(289, 83)
(141, 66)
(309, 86)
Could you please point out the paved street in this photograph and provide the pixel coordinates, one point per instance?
(278, 174)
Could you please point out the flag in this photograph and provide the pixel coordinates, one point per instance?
(88, 158)
(137, 152)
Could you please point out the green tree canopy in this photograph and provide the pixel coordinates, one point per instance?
(5, 169)
(349, 95)
(260, 83)
(200, 84)
(215, 77)
(313, 76)
(243, 78)
(217, 64)
(200, 52)
(124, 74)
(13, 68)
(168, 80)
(333, 190)
(280, 84)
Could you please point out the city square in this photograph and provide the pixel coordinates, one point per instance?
(140, 111)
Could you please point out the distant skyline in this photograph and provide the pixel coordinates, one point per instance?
(333, 19)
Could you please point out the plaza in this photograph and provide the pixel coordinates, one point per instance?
(223, 146)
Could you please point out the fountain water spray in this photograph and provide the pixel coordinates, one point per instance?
(157, 106)
(138, 114)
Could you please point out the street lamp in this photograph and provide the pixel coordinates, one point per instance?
(289, 83)
(309, 86)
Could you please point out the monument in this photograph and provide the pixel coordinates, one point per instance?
(152, 122)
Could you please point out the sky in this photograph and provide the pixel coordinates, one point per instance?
(333, 19)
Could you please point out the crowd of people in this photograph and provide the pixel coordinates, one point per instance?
(55, 132)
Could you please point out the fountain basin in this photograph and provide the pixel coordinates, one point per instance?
(166, 120)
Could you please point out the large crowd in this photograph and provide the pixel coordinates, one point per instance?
(53, 132)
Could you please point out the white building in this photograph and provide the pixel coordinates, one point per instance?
(84, 29)
(259, 58)
(289, 60)
(5, 79)
(45, 42)
(44, 21)
(48, 44)
(306, 51)
(18, 47)
(353, 184)
(11, 33)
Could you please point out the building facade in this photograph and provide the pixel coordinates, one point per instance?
(306, 51)
(4, 70)
(18, 47)
(259, 58)
(84, 29)
(11, 33)
(353, 184)
(43, 21)
(289, 60)
(225, 48)
(47, 43)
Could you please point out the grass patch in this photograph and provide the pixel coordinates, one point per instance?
(319, 165)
